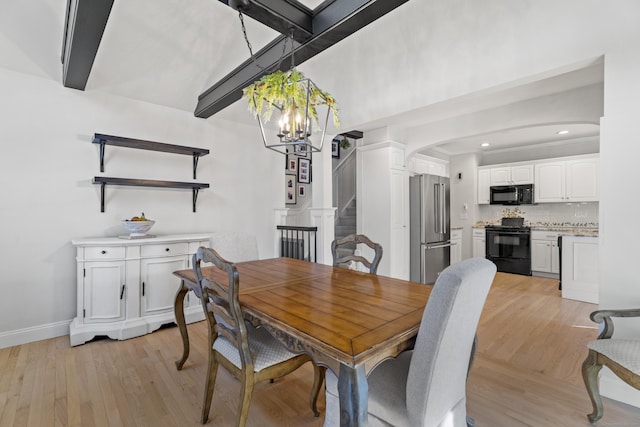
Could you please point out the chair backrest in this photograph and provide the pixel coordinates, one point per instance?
(235, 246)
(221, 303)
(438, 371)
(351, 242)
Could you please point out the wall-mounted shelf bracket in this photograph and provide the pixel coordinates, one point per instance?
(103, 181)
(141, 144)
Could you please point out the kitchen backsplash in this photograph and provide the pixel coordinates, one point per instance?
(551, 214)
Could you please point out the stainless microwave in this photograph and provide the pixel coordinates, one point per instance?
(511, 194)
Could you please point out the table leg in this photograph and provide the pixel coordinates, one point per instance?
(182, 325)
(353, 392)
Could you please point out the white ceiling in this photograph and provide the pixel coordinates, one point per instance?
(170, 53)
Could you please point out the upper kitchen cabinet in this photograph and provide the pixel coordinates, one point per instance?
(421, 164)
(512, 174)
(484, 182)
(572, 179)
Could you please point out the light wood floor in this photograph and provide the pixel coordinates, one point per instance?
(527, 373)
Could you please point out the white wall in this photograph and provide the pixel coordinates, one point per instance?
(48, 162)
(463, 192)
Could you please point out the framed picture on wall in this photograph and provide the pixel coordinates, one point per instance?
(292, 163)
(304, 170)
(290, 189)
(301, 150)
(302, 191)
(335, 148)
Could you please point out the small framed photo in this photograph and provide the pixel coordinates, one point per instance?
(301, 150)
(302, 191)
(335, 148)
(290, 189)
(304, 170)
(292, 163)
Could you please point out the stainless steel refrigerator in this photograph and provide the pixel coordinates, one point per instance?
(430, 227)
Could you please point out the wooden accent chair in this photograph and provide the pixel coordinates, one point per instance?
(426, 386)
(351, 241)
(250, 354)
(622, 356)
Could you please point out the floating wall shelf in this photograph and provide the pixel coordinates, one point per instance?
(103, 181)
(141, 144)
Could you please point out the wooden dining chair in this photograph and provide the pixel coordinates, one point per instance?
(351, 242)
(251, 354)
(426, 386)
(621, 356)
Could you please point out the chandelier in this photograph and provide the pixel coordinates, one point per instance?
(302, 107)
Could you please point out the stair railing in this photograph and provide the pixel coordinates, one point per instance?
(298, 242)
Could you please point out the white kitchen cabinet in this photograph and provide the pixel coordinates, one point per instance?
(126, 288)
(580, 268)
(484, 184)
(479, 248)
(512, 174)
(567, 180)
(421, 164)
(456, 246)
(545, 254)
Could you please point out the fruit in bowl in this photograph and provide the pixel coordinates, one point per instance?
(138, 225)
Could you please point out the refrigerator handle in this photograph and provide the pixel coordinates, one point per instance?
(444, 245)
(436, 208)
(442, 208)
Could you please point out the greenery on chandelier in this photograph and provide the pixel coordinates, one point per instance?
(287, 90)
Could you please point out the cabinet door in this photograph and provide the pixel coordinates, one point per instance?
(158, 284)
(104, 299)
(582, 180)
(479, 247)
(484, 182)
(501, 176)
(550, 182)
(522, 174)
(541, 255)
(456, 251)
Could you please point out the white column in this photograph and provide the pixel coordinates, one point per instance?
(324, 219)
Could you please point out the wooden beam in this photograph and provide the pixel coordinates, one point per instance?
(84, 26)
(331, 23)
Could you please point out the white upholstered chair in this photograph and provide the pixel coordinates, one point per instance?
(235, 246)
(622, 356)
(426, 386)
(250, 354)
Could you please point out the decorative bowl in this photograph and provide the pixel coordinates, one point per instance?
(137, 228)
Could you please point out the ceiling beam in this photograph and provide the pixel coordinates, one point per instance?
(84, 26)
(331, 22)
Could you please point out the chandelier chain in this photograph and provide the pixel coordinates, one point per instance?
(253, 57)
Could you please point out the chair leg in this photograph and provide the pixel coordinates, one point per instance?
(246, 391)
(318, 379)
(210, 384)
(590, 370)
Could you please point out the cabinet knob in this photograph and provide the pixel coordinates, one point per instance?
(167, 249)
(103, 252)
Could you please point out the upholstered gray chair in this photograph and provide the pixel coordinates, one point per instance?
(622, 356)
(426, 386)
(351, 242)
(250, 354)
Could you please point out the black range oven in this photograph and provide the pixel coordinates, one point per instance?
(509, 247)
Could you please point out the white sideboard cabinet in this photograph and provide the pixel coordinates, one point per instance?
(125, 288)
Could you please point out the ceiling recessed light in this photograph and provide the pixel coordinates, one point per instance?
(562, 132)
(485, 144)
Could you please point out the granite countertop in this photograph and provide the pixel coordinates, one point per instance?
(565, 228)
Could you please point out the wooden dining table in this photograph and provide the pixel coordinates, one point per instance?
(346, 320)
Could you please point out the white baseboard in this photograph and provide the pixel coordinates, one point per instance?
(614, 388)
(34, 333)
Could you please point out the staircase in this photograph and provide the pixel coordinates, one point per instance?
(345, 225)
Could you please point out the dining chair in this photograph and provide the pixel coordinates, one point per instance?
(251, 354)
(426, 386)
(351, 242)
(621, 356)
